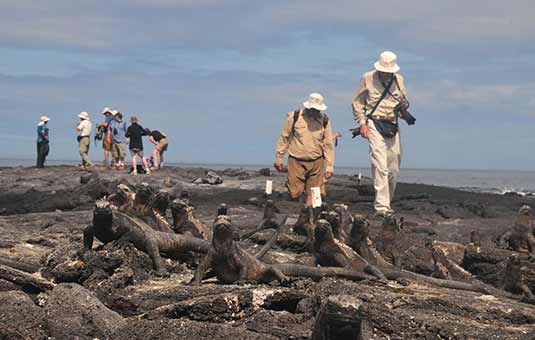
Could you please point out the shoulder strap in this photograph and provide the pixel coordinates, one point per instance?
(399, 88)
(325, 120)
(296, 117)
(383, 95)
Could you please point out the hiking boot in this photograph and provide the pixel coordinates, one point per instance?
(383, 213)
(134, 173)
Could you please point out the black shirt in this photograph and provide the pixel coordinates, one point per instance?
(157, 135)
(135, 132)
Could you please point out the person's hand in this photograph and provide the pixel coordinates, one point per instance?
(364, 131)
(328, 174)
(278, 165)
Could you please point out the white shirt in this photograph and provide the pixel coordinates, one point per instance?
(85, 128)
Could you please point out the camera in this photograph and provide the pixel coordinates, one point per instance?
(402, 110)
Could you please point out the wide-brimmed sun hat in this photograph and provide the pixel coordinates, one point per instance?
(106, 110)
(315, 101)
(44, 119)
(83, 115)
(387, 63)
(114, 112)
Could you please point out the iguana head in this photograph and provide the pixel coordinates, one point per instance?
(102, 214)
(224, 232)
(323, 231)
(102, 207)
(144, 193)
(360, 228)
(525, 210)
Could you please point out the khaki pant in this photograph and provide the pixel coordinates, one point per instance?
(303, 175)
(84, 149)
(385, 154)
(118, 150)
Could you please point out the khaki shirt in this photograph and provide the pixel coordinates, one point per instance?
(369, 92)
(84, 128)
(310, 141)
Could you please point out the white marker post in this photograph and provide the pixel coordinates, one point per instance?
(269, 187)
(316, 197)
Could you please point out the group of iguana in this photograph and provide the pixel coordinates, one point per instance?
(338, 241)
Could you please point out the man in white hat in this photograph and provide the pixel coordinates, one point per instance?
(379, 92)
(43, 146)
(307, 137)
(107, 140)
(84, 131)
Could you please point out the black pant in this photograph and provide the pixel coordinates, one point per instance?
(42, 152)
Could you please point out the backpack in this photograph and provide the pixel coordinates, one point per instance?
(296, 117)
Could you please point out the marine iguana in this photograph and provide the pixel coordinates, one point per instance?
(144, 203)
(269, 220)
(109, 225)
(521, 238)
(233, 264)
(329, 251)
(184, 222)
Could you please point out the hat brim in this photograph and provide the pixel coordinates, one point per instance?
(381, 68)
(45, 120)
(309, 105)
(83, 117)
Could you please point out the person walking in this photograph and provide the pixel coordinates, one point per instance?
(307, 137)
(135, 133)
(161, 143)
(118, 128)
(106, 135)
(84, 131)
(374, 107)
(43, 146)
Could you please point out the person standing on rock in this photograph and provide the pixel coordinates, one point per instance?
(107, 135)
(135, 133)
(161, 142)
(307, 137)
(118, 129)
(374, 105)
(43, 146)
(84, 131)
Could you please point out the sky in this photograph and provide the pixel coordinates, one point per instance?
(220, 76)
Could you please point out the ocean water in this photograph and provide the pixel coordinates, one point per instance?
(494, 181)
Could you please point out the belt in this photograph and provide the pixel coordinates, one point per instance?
(305, 160)
(84, 136)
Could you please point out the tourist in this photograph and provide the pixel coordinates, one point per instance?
(135, 133)
(84, 131)
(118, 129)
(307, 137)
(107, 136)
(43, 146)
(161, 142)
(374, 105)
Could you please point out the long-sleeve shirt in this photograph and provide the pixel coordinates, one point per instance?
(309, 141)
(369, 92)
(84, 128)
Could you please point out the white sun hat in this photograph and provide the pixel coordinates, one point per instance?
(387, 63)
(106, 110)
(84, 115)
(43, 119)
(315, 101)
(114, 112)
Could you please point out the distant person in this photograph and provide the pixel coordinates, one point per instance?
(374, 105)
(84, 132)
(135, 133)
(106, 135)
(43, 146)
(161, 142)
(307, 137)
(118, 129)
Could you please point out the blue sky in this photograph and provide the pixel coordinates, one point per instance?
(219, 76)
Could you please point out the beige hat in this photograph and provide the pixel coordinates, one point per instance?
(114, 112)
(315, 101)
(84, 115)
(44, 119)
(387, 63)
(106, 110)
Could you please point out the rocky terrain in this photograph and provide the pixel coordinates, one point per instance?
(51, 288)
